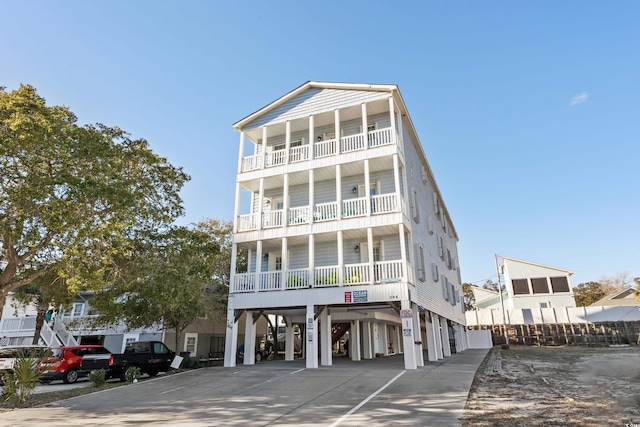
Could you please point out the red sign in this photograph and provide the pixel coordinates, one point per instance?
(347, 297)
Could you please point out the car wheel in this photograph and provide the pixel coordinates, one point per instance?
(123, 375)
(71, 376)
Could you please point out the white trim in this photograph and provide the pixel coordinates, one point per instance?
(187, 336)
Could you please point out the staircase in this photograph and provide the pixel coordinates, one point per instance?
(338, 330)
(58, 336)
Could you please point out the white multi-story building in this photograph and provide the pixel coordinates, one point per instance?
(345, 229)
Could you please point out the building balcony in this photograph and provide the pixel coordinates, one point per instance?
(323, 277)
(351, 208)
(320, 149)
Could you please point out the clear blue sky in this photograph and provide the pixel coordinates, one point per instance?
(528, 111)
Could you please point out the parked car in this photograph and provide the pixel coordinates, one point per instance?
(150, 357)
(65, 363)
(8, 356)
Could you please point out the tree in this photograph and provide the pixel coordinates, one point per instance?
(493, 286)
(587, 293)
(171, 279)
(469, 298)
(71, 197)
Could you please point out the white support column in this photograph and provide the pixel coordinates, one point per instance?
(403, 252)
(354, 341)
(340, 259)
(367, 341)
(399, 339)
(232, 274)
(264, 147)
(367, 186)
(372, 278)
(375, 338)
(312, 205)
(431, 338)
(258, 264)
(337, 131)
(417, 336)
(396, 176)
(325, 337)
(384, 338)
(365, 125)
(400, 140)
(249, 339)
(260, 203)
(285, 201)
(311, 340)
(285, 263)
(435, 319)
(445, 337)
(408, 339)
(312, 259)
(236, 208)
(338, 193)
(241, 152)
(392, 116)
(405, 194)
(287, 140)
(231, 339)
(312, 142)
(289, 342)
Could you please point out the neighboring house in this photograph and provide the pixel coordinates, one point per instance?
(71, 326)
(346, 229)
(623, 297)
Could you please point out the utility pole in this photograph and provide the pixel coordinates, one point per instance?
(504, 313)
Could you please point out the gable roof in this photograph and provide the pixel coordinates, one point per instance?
(623, 297)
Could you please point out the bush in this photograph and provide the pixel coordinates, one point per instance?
(23, 379)
(98, 377)
(132, 373)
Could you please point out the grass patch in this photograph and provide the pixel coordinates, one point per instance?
(53, 396)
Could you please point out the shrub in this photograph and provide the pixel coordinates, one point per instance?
(23, 379)
(98, 377)
(132, 373)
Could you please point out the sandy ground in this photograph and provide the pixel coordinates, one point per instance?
(556, 386)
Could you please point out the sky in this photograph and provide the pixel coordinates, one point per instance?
(528, 111)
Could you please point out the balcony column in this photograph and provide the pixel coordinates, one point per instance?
(444, 327)
(408, 340)
(258, 264)
(354, 341)
(249, 339)
(264, 147)
(392, 116)
(325, 337)
(367, 187)
(259, 220)
(311, 341)
(289, 343)
(365, 126)
(231, 339)
(285, 263)
(287, 139)
(338, 193)
(234, 257)
(417, 336)
(396, 176)
(372, 276)
(340, 259)
(241, 152)
(403, 253)
(312, 259)
(285, 201)
(405, 194)
(236, 208)
(337, 131)
(312, 142)
(311, 197)
(400, 139)
(432, 355)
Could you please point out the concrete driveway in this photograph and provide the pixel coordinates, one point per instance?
(374, 392)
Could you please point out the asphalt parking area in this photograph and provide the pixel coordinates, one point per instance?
(377, 392)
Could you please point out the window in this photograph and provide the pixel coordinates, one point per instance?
(546, 304)
(441, 248)
(540, 285)
(434, 271)
(78, 309)
(159, 348)
(445, 288)
(559, 284)
(449, 259)
(420, 261)
(190, 341)
(328, 135)
(129, 341)
(296, 143)
(520, 286)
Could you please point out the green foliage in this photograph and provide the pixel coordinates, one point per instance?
(469, 298)
(587, 293)
(98, 377)
(132, 373)
(74, 198)
(20, 382)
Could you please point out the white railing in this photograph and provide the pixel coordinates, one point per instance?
(299, 215)
(276, 158)
(251, 163)
(384, 203)
(355, 274)
(272, 218)
(325, 276)
(49, 337)
(61, 331)
(380, 137)
(388, 271)
(296, 279)
(325, 211)
(354, 207)
(20, 324)
(324, 148)
(270, 281)
(298, 154)
(247, 222)
(244, 282)
(352, 143)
